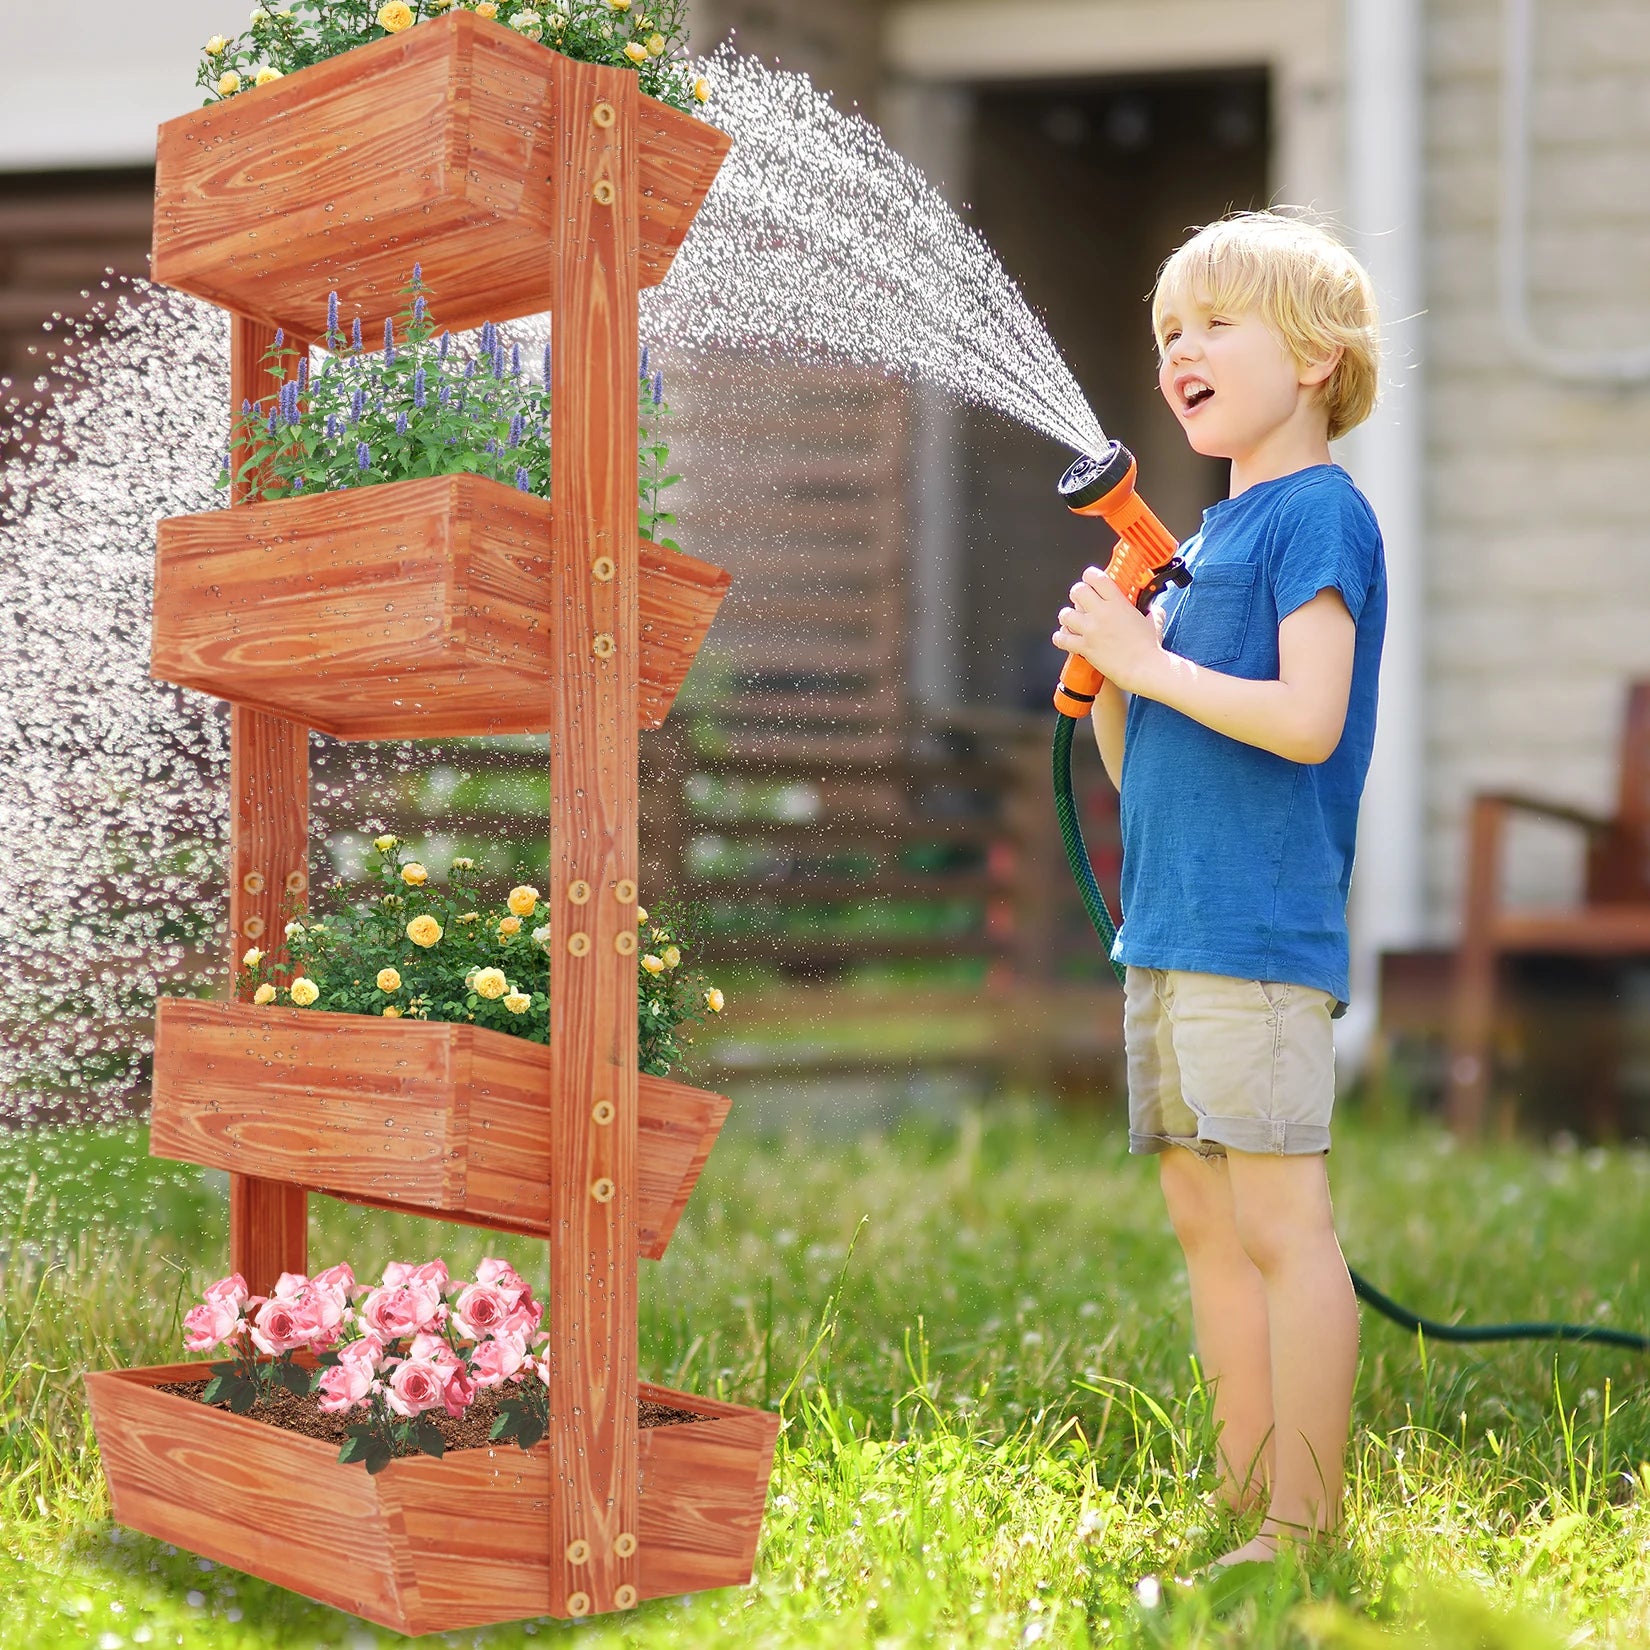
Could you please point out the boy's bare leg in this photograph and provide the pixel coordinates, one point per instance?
(1228, 1320)
(1286, 1225)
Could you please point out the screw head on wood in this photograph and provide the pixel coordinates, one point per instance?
(297, 881)
(602, 1112)
(624, 1544)
(579, 892)
(603, 646)
(603, 192)
(625, 944)
(253, 882)
(578, 1552)
(578, 944)
(625, 1597)
(578, 1604)
(602, 569)
(624, 891)
(602, 1190)
(604, 114)
(252, 927)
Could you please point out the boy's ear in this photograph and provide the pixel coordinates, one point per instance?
(1318, 372)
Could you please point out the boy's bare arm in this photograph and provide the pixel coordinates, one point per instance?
(1299, 716)
(1111, 710)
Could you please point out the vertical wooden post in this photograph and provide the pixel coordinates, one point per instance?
(1472, 1013)
(593, 852)
(268, 866)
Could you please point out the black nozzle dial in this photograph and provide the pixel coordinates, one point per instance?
(1090, 479)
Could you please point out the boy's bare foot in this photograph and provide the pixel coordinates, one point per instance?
(1258, 1549)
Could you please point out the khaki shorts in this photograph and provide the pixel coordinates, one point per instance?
(1218, 1062)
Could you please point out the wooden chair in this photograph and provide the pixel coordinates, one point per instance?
(1613, 922)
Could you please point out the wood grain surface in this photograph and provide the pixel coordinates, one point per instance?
(412, 609)
(425, 1545)
(435, 145)
(446, 1119)
(268, 873)
(591, 1316)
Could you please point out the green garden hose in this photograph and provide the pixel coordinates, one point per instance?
(1094, 902)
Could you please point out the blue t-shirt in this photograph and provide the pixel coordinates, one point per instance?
(1236, 861)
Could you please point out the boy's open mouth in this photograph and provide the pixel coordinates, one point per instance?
(1193, 393)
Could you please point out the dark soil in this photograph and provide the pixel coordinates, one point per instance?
(469, 1431)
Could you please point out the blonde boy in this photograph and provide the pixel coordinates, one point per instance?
(1238, 728)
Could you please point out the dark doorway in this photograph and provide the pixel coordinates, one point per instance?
(1083, 189)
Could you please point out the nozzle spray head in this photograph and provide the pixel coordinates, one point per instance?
(1091, 486)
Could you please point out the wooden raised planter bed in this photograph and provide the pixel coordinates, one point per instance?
(446, 1119)
(438, 145)
(425, 1545)
(413, 609)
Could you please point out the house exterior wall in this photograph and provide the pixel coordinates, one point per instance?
(1539, 543)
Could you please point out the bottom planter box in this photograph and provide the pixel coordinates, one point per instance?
(425, 1545)
(408, 1114)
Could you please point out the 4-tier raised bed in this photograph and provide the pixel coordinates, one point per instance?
(523, 182)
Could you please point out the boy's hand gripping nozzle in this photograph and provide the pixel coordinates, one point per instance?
(1144, 561)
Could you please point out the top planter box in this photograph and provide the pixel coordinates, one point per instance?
(435, 146)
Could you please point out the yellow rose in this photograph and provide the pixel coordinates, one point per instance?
(214, 47)
(490, 983)
(388, 980)
(518, 1002)
(414, 874)
(672, 956)
(652, 964)
(395, 15)
(265, 75)
(655, 45)
(508, 926)
(424, 931)
(486, 9)
(619, 5)
(635, 51)
(264, 995)
(714, 1000)
(304, 992)
(523, 899)
(641, 915)
(384, 843)
(391, 1012)
(469, 916)
(701, 89)
(228, 83)
(252, 958)
(464, 864)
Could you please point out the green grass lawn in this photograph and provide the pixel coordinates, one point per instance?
(1000, 1436)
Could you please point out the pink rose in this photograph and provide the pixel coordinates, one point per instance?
(402, 1309)
(319, 1316)
(210, 1323)
(290, 1286)
(500, 1272)
(345, 1385)
(337, 1281)
(232, 1289)
(494, 1362)
(279, 1327)
(365, 1353)
(415, 1386)
(482, 1310)
(399, 1273)
(458, 1391)
(524, 1314)
(434, 1349)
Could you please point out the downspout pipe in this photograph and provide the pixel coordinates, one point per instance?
(1385, 207)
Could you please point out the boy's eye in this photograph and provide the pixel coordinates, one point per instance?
(1170, 336)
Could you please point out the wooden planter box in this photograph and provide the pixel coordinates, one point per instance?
(438, 145)
(408, 1114)
(426, 1544)
(409, 610)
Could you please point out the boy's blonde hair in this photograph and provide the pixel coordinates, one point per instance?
(1302, 281)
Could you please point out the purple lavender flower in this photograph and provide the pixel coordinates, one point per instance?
(446, 340)
(523, 480)
(271, 425)
(492, 446)
(515, 360)
(401, 423)
(355, 332)
(280, 336)
(363, 455)
(332, 426)
(418, 389)
(643, 372)
(487, 331)
(389, 342)
(515, 430)
(223, 463)
(418, 309)
(498, 361)
(303, 373)
(470, 369)
(297, 484)
(547, 369)
(658, 388)
(446, 394)
(418, 274)
(357, 404)
(246, 406)
(332, 315)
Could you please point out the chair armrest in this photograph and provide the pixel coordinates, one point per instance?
(1561, 811)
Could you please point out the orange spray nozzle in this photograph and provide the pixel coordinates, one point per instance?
(1143, 561)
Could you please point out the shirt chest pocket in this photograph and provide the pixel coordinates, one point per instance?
(1213, 616)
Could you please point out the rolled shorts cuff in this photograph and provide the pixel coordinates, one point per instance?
(1145, 1145)
(1261, 1136)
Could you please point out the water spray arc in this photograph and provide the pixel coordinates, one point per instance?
(1143, 563)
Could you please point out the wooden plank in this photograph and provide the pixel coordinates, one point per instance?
(414, 609)
(268, 875)
(591, 1316)
(445, 1119)
(438, 144)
